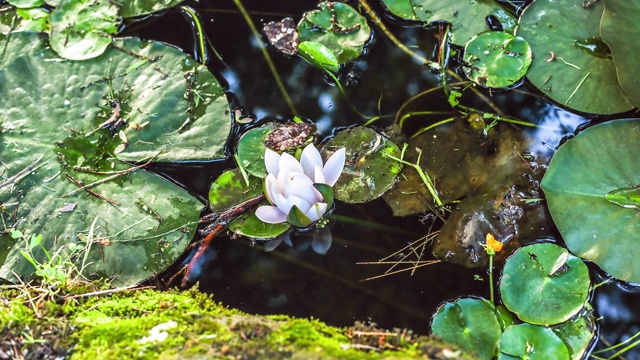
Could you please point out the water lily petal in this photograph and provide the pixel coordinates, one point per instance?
(301, 186)
(310, 159)
(271, 161)
(333, 167)
(299, 202)
(319, 175)
(270, 214)
(272, 188)
(316, 211)
(288, 162)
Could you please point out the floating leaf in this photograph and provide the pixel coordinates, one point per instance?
(82, 29)
(251, 149)
(577, 333)
(401, 8)
(249, 225)
(337, 26)
(26, 3)
(598, 161)
(572, 65)
(543, 284)
(526, 341)
(131, 8)
(52, 113)
(497, 59)
(319, 56)
(469, 323)
(367, 173)
(20, 44)
(230, 189)
(619, 28)
(467, 19)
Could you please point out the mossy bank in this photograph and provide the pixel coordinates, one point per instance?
(152, 324)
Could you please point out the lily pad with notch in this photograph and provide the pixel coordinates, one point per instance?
(497, 59)
(471, 324)
(578, 332)
(133, 8)
(62, 124)
(368, 172)
(572, 65)
(527, 341)
(230, 189)
(544, 284)
(467, 19)
(339, 27)
(591, 188)
(619, 28)
(83, 29)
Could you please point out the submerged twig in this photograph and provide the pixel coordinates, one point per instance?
(81, 186)
(220, 222)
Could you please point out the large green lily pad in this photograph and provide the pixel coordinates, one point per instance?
(368, 172)
(598, 161)
(82, 29)
(469, 323)
(572, 65)
(526, 341)
(467, 18)
(51, 134)
(337, 26)
(543, 284)
(497, 59)
(619, 28)
(18, 44)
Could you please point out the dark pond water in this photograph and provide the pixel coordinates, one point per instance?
(296, 279)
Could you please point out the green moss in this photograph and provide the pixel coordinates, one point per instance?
(187, 325)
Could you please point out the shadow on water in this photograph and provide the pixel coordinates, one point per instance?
(293, 278)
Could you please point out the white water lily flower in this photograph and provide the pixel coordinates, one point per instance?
(290, 182)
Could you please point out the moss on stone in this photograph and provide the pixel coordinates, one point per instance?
(151, 324)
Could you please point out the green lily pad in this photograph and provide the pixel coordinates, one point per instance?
(578, 332)
(82, 29)
(401, 8)
(467, 19)
(251, 149)
(368, 172)
(497, 59)
(319, 56)
(543, 284)
(249, 225)
(526, 341)
(469, 323)
(132, 8)
(51, 134)
(26, 3)
(598, 161)
(572, 65)
(20, 44)
(337, 26)
(619, 28)
(230, 189)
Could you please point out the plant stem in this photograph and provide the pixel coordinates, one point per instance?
(425, 178)
(192, 15)
(267, 58)
(491, 296)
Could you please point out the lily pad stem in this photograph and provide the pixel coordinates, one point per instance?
(267, 58)
(353, 107)
(491, 291)
(192, 15)
(425, 178)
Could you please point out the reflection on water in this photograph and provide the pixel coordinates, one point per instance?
(291, 275)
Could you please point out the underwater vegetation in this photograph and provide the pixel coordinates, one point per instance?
(88, 114)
